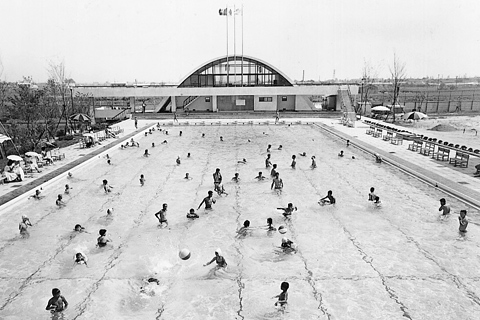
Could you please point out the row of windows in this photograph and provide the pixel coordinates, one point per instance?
(269, 99)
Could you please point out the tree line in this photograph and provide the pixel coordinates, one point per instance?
(30, 114)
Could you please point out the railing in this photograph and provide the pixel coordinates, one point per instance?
(189, 100)
(120, 113)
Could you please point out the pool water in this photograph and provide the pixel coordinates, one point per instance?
(354, 261)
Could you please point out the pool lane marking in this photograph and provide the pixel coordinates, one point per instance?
(310, 278)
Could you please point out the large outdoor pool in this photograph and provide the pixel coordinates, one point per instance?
(354, 261)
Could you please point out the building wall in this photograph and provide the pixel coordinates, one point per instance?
(265, 105)
(288, 105)
(199, 104)
(231, 103)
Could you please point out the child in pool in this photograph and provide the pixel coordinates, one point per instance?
(288, 210)
(80, 258)
(59, 202)
(444, 207)
(142, 180)
(192, 215)
(23, 226)
(283, 296)
(57, 303)
(260, 176)
(37, 195)
(219, 259)
(270, 226)
(463, 221)
(328, 199)
(102, 240)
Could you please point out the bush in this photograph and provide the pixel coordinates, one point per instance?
(69, 137)
(60, 133)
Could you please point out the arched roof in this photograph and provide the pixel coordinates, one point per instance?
(217, 61)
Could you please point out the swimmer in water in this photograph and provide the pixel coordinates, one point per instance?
(70, 175)
(217, 180)
(341, 153)
(67, 189)
(244, 230)
(372, 195)
(273, 172)
(57, 303)
(162, 216)
(80, 258)
(303, 154)
(314, 163)
(153, 144)
(164, 142)
(294, 162)
(178, 161)
(106, 187)
(181, 133)
(444, 207)
(270, 226)
(208, 201)
(236, 177)
(109, 162)
(283, 296)
(221, 138)
(192, 215)
(287, 212)
(102, 240)
(59, 202)
(377, 202)
(37, 195)
(378, 159)
(287, 245)
(109, 212)
(269, 147)
(188, 155)
(463, 221)
(280, 147)
(187, 176)
(23, 227)
(260, 176)
(277, 183)
(268, 163)
(328, 199)
(244, 161)
(348, 143)
(79, 228)
(146, 154)
(142, 180)
(203, 135)
(219, 259)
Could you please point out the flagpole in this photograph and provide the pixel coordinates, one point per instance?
(242, 45)
(234, 45)
(228, 67)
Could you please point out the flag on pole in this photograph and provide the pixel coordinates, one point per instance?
(225, 12)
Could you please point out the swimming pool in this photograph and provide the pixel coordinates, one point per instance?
(354, 261)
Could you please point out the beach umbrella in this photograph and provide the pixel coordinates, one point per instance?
(415, 115)
(14, 157)
(380, 108)
(32, 154)
(80, 117)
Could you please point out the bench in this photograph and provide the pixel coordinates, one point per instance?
(428, 149)
(370, 130)
(460, 160)
(415, 146)
(378, 133)
(398, 139)
(442, 154)
(388, 136)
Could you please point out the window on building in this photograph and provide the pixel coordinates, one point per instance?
(284, 98)
(207, 99)
(265, 99)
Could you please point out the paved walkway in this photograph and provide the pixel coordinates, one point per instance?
(456, 181)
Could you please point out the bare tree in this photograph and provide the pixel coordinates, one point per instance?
(398, 73)
(369, 73)
(4, 91)
(61, 90)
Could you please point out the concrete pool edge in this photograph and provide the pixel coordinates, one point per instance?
(13, 197)
(425, 175)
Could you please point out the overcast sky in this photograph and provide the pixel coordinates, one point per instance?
(164, 40)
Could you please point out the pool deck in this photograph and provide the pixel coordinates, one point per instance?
(458, 182)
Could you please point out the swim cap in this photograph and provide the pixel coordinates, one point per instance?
(219, 251)
(284, 239)
(24, 217)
